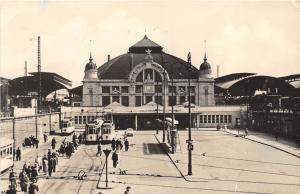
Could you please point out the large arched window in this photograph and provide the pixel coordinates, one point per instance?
(148, 75)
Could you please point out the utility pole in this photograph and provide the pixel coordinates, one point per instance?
(157, 117)
(164, 99)
(172, 131)
(189, 141)
(14, 138)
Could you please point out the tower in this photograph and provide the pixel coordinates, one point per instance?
(205, 68)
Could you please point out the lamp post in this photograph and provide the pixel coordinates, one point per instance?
(189, 141)
(164, 99)
(106, 152)
(157, 106)
(172, 131)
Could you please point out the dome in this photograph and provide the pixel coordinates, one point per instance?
(205, 65)
(121, 66)
(90, 64)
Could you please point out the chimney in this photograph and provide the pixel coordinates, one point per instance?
(25, 69)
(108, 57)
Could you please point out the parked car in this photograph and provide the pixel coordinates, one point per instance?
(129, 132)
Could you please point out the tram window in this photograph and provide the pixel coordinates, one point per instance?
(84, 119)
(76, 119)
(65, 125)
(205, 118)
(201, 118)
(213, 118)
(10, 150)
(80, 120)
(91, 130)
(221, 118)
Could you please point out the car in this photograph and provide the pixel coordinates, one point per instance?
(129, 132)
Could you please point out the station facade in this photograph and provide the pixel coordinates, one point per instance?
(139, 86)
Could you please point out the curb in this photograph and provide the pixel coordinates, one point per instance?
(182, 175)
(295, 155)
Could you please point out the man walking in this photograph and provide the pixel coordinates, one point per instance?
(115, 159)
(45, 137)
(53, 143)
(33, 188)
(99, 150)
(113, 144)
(18, 154)
(126, 143)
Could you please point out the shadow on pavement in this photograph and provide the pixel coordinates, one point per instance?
(154, 148)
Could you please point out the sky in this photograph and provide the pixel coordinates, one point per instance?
(247, 36)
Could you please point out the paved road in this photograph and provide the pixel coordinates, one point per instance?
(230, 165)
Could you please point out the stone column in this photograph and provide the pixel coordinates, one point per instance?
(135, 122)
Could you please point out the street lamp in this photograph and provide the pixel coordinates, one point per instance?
(164, 98)
(157, 105)
(189, 141)
(106, 152)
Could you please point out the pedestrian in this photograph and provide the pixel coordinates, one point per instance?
(18, 154)
(45, 138)
(49, 154)
(118, 144)
(115, 159)
(34, 171)
(50, 166)
(113, 144)
(45, 164)
(80, 138)
(37, 143)
(99, 151)
(127, 191)
(33, 188)
(13, 178)
(121, 145)
(126, 143)
(11, 190)
(23, 181)
(53, 160)
(53, 143)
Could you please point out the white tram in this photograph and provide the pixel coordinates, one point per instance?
(93, 131)
(108, 131)
(68, 126)
(6, 154)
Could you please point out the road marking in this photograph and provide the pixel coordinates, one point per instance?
(147, 149)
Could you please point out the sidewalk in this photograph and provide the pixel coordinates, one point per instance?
(269, 140)
(29, 155)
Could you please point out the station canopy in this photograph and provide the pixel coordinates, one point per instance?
(29, 85)
(246, 84)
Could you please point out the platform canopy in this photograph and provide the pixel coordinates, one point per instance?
(29, 85)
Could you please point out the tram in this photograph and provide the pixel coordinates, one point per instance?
(108, 131)
(6, 154)
(68, 126)
(93, 131)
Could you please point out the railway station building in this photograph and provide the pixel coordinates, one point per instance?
(137, 87)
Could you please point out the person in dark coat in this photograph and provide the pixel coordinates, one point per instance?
(18, 154)
(49, 154)
(99, 150)
(50, 166)
(80, 138)
(115, 159)
(33, 188)
(53, 142)
(34, 172)
(113, 144)
(126, 143)
(45, 137)
(53, 160)
(37, 143)
(13, 179)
